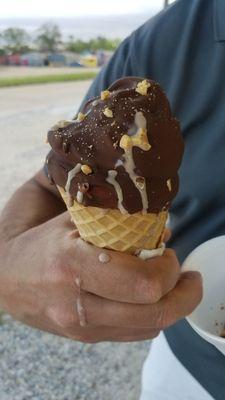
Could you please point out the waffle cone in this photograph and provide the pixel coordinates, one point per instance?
(113, 230)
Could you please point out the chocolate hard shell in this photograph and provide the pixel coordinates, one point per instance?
(124, 148)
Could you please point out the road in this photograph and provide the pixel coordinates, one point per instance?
(26, 114)
(35, 365)
(12, 72)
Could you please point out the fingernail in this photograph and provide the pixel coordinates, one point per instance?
(74, 234)
(193, 275)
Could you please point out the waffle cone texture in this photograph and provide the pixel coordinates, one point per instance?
(107, 228)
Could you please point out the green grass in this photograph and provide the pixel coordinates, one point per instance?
(33, 80)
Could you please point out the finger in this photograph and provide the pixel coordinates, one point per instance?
(112, 334)
(125, 278)
(166, 235)
(64, 319)
(178, 303)
(63, 221)
(93, 334)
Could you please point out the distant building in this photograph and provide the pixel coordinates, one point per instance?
(33, 59)
(103, 56)
(3, 60)
(13, 59)
(56, 60)
(72, 59)
(89, 60)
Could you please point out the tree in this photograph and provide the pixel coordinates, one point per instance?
(15, 40)
(76, 46)
(99, 43)
(48, 37)
(102, 43)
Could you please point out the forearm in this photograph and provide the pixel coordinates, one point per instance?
(31, 205)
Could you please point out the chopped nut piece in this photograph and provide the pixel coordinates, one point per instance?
(86, 169)
(80, 117)
(168, 182)
(141, 139)
(142, 87)
(61, 124)
(140, 182)
(108, 113)
(138, 140)
(126, 142)
(105, 94)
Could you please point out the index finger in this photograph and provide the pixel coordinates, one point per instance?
(125, 278)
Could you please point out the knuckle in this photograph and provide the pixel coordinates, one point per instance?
(147, 289)
(57, 272)
(155, 289)
(61, 318)
(166, 317)
(171, 254)
(172, 263)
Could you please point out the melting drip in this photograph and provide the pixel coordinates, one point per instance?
(80, 196)
(104, 258)
(129, 165)
(80, 307)
(111, 179)
(72, 173)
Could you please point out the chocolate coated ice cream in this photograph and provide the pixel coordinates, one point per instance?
(122, 151)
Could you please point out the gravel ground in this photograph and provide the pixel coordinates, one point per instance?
(36, 365)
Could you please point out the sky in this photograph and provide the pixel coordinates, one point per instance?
(72, 8)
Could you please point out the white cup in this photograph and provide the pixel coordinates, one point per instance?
(208, 319)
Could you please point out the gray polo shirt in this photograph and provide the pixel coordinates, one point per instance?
(183, 48)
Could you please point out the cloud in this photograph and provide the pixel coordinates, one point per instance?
(73, 8)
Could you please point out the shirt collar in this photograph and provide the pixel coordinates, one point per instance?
(219, 20)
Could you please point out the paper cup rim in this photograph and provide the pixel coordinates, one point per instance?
(200, 250)
(204, 332)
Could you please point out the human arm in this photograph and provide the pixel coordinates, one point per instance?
(52, 280)
(48, 274)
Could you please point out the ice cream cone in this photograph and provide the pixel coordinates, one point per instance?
(116, 166)
(109, 228)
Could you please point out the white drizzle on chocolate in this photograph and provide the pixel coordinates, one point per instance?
(71, 174)
(118, 163)
(111, 179)
(79, 196)
(140, 120)
(129, 164)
